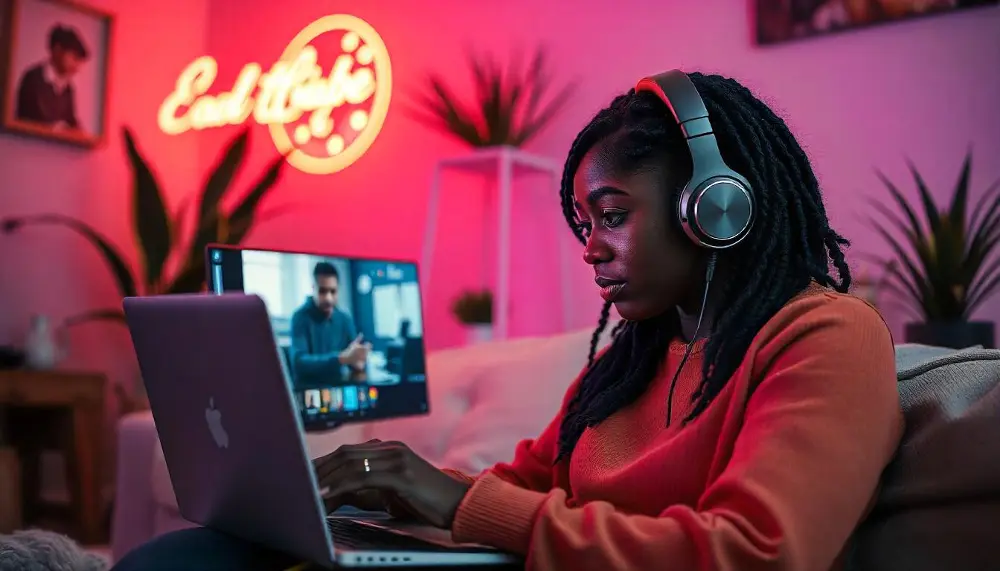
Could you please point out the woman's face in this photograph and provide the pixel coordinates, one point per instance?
(643, 263)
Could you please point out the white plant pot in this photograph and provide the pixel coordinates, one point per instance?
(479, 333)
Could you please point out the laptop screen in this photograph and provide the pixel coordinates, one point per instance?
(350, 330)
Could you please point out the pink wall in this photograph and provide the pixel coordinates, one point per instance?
(923, 89)
(49, 270)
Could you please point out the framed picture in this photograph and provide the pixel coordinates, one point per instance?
(56, 77)
(784, 20)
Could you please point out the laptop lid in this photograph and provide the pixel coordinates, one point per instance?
(319, 304)
(227, 421)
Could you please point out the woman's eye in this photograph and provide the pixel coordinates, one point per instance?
(614, 218)
(584, 227)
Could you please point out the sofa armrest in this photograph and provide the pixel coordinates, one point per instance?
(133, 519)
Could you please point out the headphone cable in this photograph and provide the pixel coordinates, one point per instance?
(709, 272)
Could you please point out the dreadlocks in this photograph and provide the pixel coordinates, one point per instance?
(790, 245)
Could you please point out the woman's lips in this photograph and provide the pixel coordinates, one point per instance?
(610, 289)
(611, 292)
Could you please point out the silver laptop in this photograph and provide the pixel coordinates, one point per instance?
(232, 438)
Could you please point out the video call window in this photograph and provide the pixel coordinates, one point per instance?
(350, 331)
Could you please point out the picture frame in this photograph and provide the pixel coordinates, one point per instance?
(780, 21)
(56, 68)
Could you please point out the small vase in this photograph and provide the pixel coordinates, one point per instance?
(477, 333)
(41, 349)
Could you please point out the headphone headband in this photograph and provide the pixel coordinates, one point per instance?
(716, 207)
(674, 87)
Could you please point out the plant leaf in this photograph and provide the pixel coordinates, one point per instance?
(904, 287)
(191, 279)
(151, 223)
(958, 201)
(903, 205)
(979, 290)
(917, 284)
(110, 314)
(242, 218)
(124, 279)
(208, 226)
(453, 114)
(180, 219)
(930, 208)
(546, 115)
(980, 210)
(985, 219)
(221, 179)
(238, 230)
(986, 291)
(211, 226)
(505, 109)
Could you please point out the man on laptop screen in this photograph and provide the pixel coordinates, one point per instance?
(349, 330)
(325, 343)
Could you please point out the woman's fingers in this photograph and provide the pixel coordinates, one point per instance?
(348, 456)
(377, 472)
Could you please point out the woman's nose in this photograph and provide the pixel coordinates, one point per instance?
(594, 252)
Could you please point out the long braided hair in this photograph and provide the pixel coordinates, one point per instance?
(790, 246)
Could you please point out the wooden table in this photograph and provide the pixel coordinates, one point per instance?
(79, 398)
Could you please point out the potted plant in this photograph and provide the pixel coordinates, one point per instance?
(508, 108)
(162, 245)
(944, 266)
(474, 309)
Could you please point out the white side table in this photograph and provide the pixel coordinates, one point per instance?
(504, 164)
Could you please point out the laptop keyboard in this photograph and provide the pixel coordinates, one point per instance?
(353, 535)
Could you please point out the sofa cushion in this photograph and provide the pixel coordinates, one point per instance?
(940, 499)
(485, 398)
(515, 398)
(162, 489)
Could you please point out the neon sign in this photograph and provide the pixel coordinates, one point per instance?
(322, 121)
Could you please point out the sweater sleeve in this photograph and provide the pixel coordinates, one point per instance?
(821, 425)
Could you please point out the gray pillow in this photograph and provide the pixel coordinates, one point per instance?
(939, 507)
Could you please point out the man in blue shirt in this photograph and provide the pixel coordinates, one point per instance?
(325, 340)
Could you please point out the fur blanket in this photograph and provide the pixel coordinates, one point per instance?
(39, 550)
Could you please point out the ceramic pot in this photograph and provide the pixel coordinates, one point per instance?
(952, 334)
(479, 333)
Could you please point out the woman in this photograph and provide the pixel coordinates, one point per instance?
(741, 426)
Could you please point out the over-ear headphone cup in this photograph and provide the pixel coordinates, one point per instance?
(681, 215)
(717, 213)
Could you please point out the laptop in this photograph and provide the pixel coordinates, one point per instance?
(231, 430)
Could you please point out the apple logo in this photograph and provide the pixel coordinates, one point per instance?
(213, 417)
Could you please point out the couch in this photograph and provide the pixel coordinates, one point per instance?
(938, 508)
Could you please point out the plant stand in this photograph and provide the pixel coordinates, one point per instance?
(504, 164)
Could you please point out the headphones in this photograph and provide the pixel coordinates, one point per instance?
(716, 208)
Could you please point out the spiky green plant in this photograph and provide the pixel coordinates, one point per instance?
(474, 307)
(944, 266)
(161, 244)
(508, 108)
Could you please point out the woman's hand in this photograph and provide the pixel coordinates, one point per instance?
(380, 475)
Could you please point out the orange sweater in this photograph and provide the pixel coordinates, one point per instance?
(775, 474)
